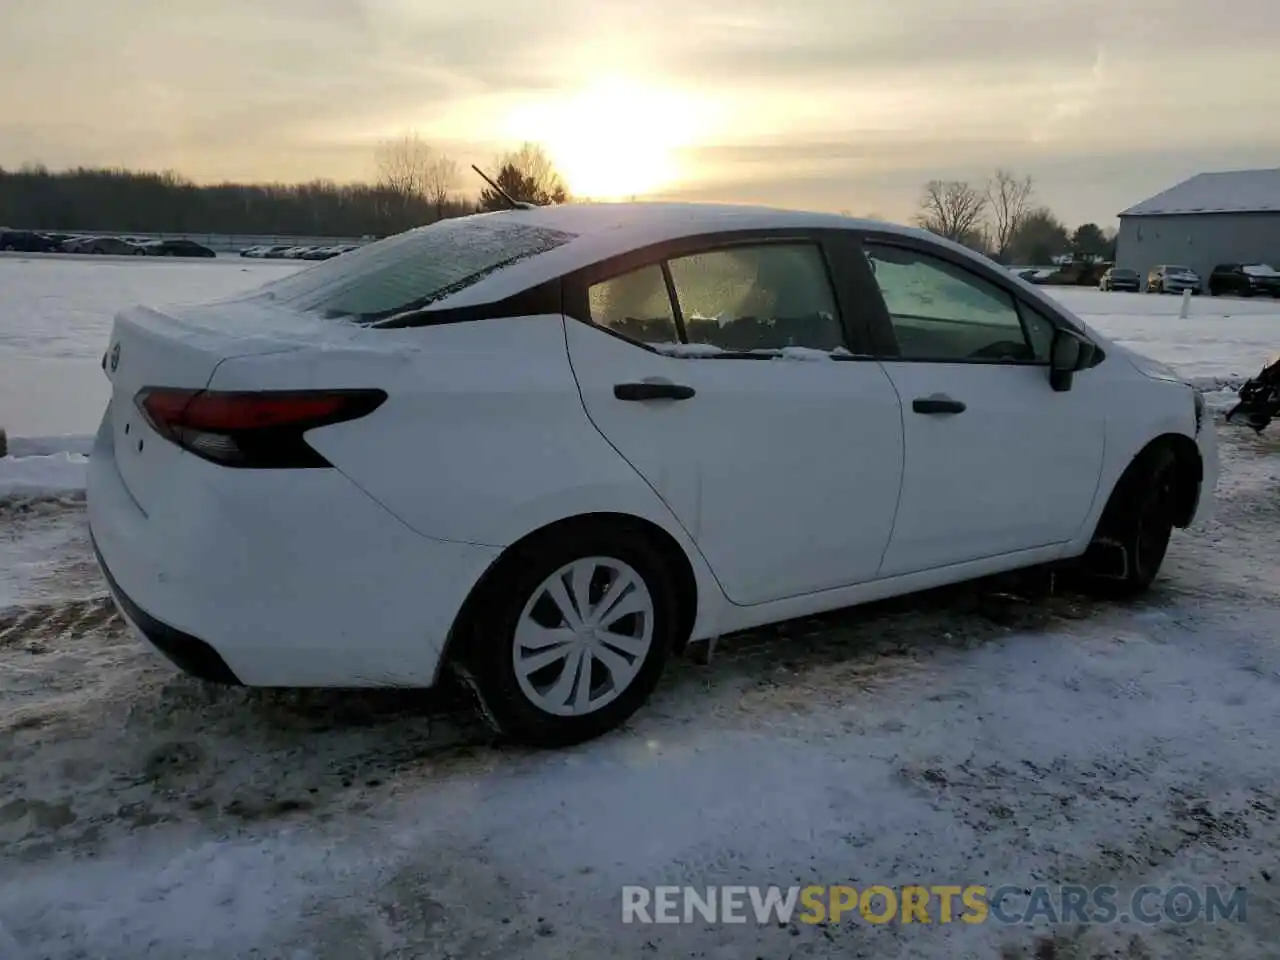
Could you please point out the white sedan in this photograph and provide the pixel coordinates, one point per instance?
(544, 448)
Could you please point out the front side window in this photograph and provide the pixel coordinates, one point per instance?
(635, 305)
(942, 312)
(758, 298)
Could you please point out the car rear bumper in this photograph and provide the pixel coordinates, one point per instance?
(190, 654)
(277, 578)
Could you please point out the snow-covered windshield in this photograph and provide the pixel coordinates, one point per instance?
(1260, 270)
(412, 270)
(1177, 269)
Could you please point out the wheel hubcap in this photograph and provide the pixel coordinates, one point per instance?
(583, 636)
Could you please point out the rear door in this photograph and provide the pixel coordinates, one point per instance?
(996, 461)
(721, 371)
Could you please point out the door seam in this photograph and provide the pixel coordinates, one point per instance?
(586, 410)
(902, 474)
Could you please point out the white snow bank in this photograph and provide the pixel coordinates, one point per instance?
(49, 473)
(43, 446)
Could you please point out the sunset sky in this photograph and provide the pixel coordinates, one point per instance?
(827, 104)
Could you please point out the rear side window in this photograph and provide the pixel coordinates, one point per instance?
(749, 298)
(636, 305)
(412, 270)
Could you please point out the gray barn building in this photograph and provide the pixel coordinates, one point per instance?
(1210, 219)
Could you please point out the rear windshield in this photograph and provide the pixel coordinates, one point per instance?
(411, 270)
(1121, 272)
(1177, 269)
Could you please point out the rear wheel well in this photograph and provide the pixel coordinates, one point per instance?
(1188, 471)
(621, 524)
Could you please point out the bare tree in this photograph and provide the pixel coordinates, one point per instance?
(410, 168)
(1009, 200)
(952, 209)
(401, 163)
(439, 180)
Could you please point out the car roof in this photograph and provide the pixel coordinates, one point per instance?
(604, 230)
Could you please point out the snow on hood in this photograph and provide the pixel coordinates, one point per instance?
(1261, 270)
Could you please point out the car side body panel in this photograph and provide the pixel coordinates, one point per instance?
(483, 440)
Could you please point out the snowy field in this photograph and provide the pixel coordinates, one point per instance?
(967, 736)
(55, 320)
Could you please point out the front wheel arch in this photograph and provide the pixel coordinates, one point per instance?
(1188, 468)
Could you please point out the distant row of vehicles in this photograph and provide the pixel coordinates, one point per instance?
(30, 241)
(284, 251)
(1226, 279)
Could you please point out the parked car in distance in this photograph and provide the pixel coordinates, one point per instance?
(1244, 280)
(591, 376)
(27, 241)
(1120, 278)
(114, 246)
(178, 248)
(1170, 278)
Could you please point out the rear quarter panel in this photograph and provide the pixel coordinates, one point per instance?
(483, 438)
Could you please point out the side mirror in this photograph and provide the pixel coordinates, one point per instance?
(1070, 352)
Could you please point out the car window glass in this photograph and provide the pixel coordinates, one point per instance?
(1039, 330)
(940, 311)
(636, 305)
(411, 270)
(767, 297)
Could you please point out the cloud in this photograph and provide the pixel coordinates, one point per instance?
(808, 96)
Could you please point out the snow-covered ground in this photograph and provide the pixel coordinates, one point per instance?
(962, 737)
(55, 320)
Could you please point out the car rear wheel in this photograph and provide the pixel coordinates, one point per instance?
(571, 637)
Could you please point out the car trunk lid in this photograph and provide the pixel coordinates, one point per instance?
(182, 348)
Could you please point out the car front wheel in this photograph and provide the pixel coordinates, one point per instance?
(1135, 529)
(570, 638)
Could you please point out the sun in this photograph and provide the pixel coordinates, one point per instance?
(616, 138)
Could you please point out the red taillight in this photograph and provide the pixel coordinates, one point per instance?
(262, 429)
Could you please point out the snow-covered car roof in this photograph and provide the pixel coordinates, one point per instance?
(604, 230)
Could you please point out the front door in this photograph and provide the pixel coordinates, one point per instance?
(722, 377)
(996, 460)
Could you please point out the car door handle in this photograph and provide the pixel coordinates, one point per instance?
(652, 390)
(937, 404)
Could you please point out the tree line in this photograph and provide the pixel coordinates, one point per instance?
(413, 185)
(1002, 219)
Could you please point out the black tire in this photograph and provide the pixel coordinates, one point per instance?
(482, 653)
(1139, 518)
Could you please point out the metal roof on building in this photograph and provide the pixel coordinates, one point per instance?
(1233, 191)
